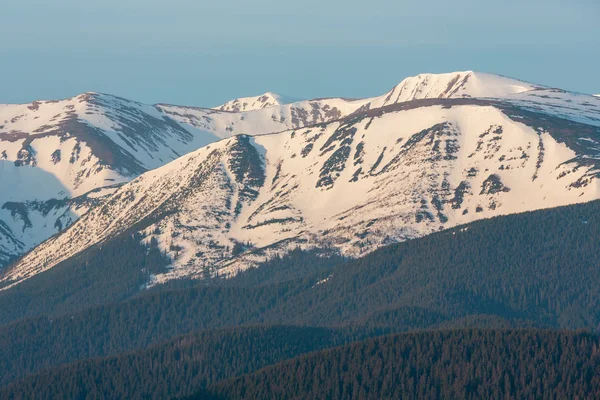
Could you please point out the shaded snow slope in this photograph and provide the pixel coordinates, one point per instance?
(355, 184)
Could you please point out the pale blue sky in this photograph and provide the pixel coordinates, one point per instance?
(204, 53)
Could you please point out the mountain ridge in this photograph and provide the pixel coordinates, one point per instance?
(239, 191)
(540, 110)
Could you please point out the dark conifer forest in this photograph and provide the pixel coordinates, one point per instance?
(500, 308)
(462, 364)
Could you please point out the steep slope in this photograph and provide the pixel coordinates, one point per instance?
(352, 185)
(53, 152)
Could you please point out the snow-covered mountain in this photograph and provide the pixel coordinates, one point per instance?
(434, 152)
(53, 153)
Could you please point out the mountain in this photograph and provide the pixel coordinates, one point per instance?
(55, 156)
(435, 152)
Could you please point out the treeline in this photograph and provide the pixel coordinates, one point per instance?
(107, 273)
(180, 366)
(465, 364)
(538, 269)
(118, 270)
(295, 265)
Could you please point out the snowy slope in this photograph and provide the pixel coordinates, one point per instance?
(373, 178)
(53, 153)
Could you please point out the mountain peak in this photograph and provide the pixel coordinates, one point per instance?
(265, 100)
(456, 85)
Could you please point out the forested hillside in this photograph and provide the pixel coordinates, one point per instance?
(180, 366)
(464, 364)
(512, 271)
(119, 269)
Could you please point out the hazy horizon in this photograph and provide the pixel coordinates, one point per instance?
(203, 54)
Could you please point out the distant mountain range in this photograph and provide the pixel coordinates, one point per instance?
(223, 189)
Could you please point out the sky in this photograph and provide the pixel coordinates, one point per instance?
(203, 53)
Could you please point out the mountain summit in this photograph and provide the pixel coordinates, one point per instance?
(266, 100)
